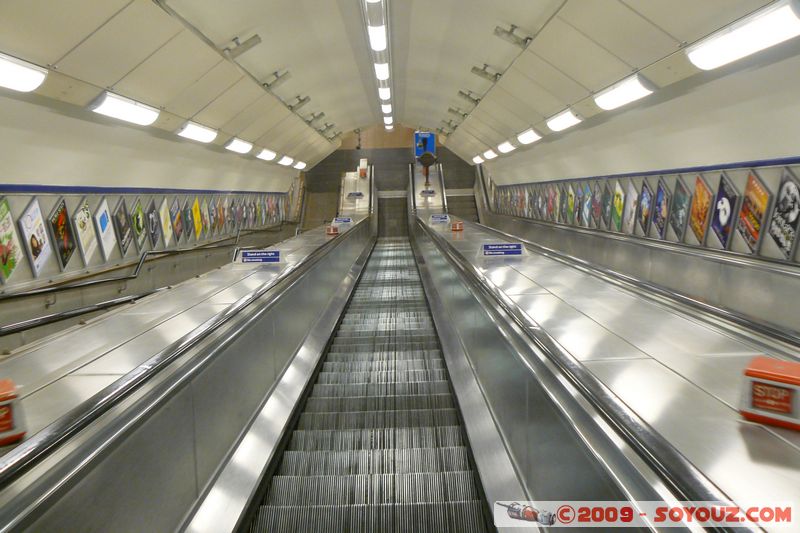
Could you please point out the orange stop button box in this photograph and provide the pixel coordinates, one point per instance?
(11, 426)
(771, 393)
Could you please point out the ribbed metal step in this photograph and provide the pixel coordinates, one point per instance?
(378, 445)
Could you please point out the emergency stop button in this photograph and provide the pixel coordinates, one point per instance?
(771, 392)
(11, 426)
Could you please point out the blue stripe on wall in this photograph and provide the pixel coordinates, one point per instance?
(726, 166)
(77, 189)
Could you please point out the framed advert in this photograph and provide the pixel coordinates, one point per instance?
(587, 205)
(660, 216)
(10, 247)
(754, 211)
(701, 207)
(34, 236)
(62, 233)
(597, 204)
(570, 205)
(188, 220)
(631, 209)
(724, 211)
(176, 217)
(578, 209)
(105, 229)
(122, 225)
(205, 218)
(153, 224)
(681, 206)
(785, 219)
(197, 218)
(618, 207)
(139, 224)
(645, 207)
(607, 203)
(166, 222)
(84, 231)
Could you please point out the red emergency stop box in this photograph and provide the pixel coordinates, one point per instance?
(457, 226)
(771, 392)
(11, 427)
(332, 230)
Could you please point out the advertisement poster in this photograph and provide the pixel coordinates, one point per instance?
(541, 199)
(263, 209)
(166, 221)
(231, 217)
(661, 209)
(105, 229)
(617, 208)
(597, 204)
(176, 216)
(188, 220)
(681, 202)
(84, 231)
(34, 235)
(570, 205)
(204, 218)
(222, 211)
(725, 205)
(786, 215)
(631, 208)
(153, 224)
(587, 205)
(755, 205)
(260, 212)
(122, 224)
(212, 217)
(607, 203)
(645, 207)
(701, 206)
(61, 231)
(10, 248)
(551, 202)
(139, 223)
(578, 205)
(562, 205)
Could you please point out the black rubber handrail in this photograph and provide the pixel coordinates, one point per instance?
(31, 451)
(675, 470)
(440, 171)
(136, 270)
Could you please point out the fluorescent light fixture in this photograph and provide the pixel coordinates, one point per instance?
(239, 146)
(477, 160)
(377, 37)
(388, 120)
(506, 147)
(489, 154)
(119, 107)
(286, 161)
(528, 136)
(373, 1)
(266, 155)
(389, 127)
(565, 119)
(754, 33)
(197, 132)
(386, 108)
(382, 71)
(299, 165)
(622, 93)
(19, 75)
(384, 93)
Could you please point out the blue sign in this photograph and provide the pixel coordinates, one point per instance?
(343, 220)
(261, 256)
(502, 249)
(355, 194)
(427, 192)
(440, 219)
(424, 141)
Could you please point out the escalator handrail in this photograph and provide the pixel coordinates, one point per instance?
(440, 171)
(678, 473)
(764, 328)
(30, 452)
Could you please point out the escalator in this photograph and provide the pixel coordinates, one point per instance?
(379, 444)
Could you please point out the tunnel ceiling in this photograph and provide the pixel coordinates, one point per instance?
(167, 53)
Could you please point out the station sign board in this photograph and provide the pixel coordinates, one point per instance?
(261, 256)
(502, 249)
(439, 218)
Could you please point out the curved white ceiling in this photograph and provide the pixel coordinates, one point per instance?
(578, 47)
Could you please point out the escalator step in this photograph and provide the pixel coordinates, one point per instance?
(381, 376)
(378, 403)
(377, 439)
(372, 489)
(386, 461)
(379, 419)
(384, 355)
(383, 365)
(381, 389)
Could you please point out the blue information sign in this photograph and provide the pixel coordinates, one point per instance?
(502, 249)
(261, 256)
(424, 141)
(356, 194)
(343, 220)
(441, 218)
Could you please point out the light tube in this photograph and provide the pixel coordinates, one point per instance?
(197, 132)
(624, 92)
(563, 120)
(19, 75)
(119, 107)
